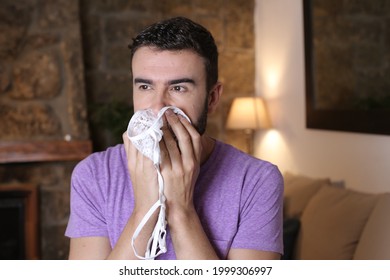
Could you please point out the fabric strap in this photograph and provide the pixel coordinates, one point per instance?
(157, 242)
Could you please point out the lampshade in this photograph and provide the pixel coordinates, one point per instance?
(248, 113)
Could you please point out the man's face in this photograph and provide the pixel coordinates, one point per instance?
(170, 78)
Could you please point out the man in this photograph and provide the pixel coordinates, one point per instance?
(220, 202)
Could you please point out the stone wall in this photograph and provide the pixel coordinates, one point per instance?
(48, 70)
(109, 26)
(41, 71)
(42, 98)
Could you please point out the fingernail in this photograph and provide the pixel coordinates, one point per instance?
(182, 118)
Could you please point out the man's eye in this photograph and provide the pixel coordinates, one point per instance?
(178, 88)
(144, 87)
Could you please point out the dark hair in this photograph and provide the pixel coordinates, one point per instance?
(181, 33)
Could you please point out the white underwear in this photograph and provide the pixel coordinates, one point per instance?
(144, 131)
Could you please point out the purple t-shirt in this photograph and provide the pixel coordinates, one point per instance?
(238, 199)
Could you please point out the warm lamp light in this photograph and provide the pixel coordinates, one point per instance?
(248, 114)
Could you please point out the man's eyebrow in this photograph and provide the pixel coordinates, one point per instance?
(182, 80)
(142, 81)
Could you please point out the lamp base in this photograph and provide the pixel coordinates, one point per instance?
(249, 140)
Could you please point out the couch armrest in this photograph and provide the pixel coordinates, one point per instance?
(374, 242)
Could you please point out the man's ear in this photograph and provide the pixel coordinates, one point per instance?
(214, 97)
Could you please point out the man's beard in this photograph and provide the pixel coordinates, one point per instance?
(201, 123)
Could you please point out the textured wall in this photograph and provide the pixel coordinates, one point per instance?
(108, 27)
(50, 77)
(42, 97)
(41, 71)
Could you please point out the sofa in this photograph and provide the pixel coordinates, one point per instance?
(324, 220)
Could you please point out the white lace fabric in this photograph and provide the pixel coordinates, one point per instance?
(144, 131)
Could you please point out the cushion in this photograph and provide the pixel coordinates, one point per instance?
(375, 240)
(298, 190)
(290, 234)
(332, 223)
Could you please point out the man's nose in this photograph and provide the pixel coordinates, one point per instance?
(159, 101)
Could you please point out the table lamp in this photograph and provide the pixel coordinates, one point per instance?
(248, 114)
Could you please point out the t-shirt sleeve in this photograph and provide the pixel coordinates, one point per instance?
(87, 204)
(261, 215)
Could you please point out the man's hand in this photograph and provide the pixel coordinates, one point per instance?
(143, 177)
(181, 153)
(181, 150)
(145, 187)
